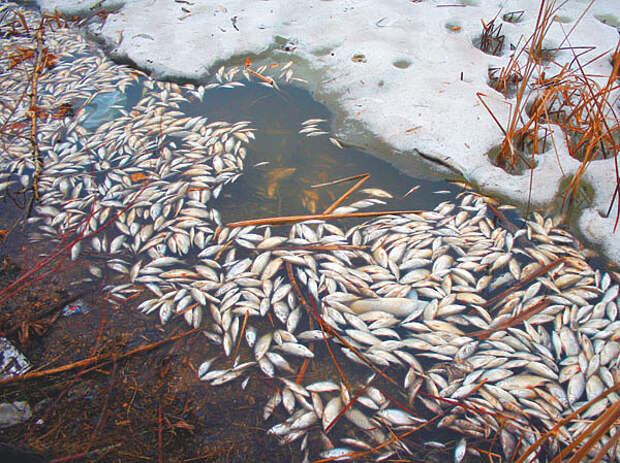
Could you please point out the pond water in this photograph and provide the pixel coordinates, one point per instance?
(283, 165)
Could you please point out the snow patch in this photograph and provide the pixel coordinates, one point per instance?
(78, 7)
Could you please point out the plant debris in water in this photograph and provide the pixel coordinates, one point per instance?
(356, 339)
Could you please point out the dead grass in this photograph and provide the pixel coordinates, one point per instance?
(491, 40)
(579, 102)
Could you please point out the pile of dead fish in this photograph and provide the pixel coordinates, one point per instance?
(420, 296)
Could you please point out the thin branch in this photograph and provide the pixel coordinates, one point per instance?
(302, 218)
(103, 358)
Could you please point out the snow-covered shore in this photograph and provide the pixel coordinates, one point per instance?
(407, 71)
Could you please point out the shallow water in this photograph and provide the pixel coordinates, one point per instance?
(289, 163)
(281, 168)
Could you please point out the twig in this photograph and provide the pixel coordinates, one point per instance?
(95, 452)
(104, 410)
(104, 316)
(160, 451)
(302, 218)
(104, 358)
(348, 193)
(44, 313)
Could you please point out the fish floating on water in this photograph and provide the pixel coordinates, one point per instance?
(432, 297)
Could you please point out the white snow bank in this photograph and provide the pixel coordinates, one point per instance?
(413, 81)
(78, 7)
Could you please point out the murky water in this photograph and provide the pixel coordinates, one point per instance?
(283, 165)
(282, 170)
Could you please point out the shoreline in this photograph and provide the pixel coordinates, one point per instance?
(400, 78)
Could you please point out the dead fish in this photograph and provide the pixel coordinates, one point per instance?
(460, 450)
(331, 410)
(379, 193)
(400, 307)
(262, 345)
(298, 350)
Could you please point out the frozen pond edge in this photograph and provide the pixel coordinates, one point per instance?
(396, 68)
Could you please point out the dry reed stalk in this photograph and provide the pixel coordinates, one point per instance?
(338, 181)
(304, 367)
(508, 225)
(362, 357)
(160, 450)
(265, 79)
(491, 41)
(33, 112)
(302, 301)
(97, 359)
(348, 193)
(322, 325)
(186, 309)
(302, 218)
(298, 293)
(356, 455)
(594, 118)
(60, 250)
(601, 454)
(347, 406)
(518, 129)
(571, 99)
(399, 405)
(519, 284)
(241, 334)
(99, 452)
(599, 427)
(517, 319)
(536, 445)
(321, 247)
